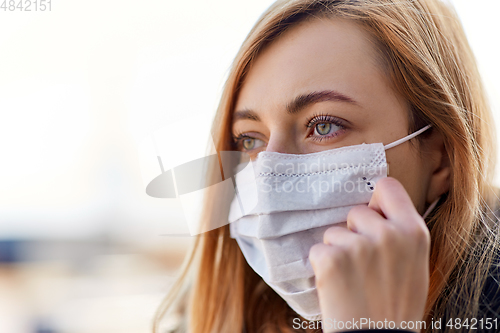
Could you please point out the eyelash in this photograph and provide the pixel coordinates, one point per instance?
(237, 138)
(313, 121)
(324, 118)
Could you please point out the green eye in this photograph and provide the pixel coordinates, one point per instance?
(248, 143)
(323, 128)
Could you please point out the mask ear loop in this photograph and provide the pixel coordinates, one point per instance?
(402, 140)
(431, 207)
(406, 138)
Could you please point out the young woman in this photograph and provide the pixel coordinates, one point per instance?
(315, 76)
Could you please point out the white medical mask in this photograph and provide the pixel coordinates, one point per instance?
(285, 203)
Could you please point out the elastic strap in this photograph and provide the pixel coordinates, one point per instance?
(406, 138)
(431, 207)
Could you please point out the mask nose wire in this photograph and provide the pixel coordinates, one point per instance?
(406, 138)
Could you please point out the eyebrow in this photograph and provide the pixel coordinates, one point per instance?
(299, 103)
(245, 114)
(303, 101)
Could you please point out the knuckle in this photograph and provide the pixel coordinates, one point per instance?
(326, 260)
(330, 234)
(387, 183)
(422, 237)
(419, 232)
(387, 234)
(316, 252)
(354, 211)
(318, 255)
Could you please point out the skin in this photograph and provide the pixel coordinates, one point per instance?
(377, 264)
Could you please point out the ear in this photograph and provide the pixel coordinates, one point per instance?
(437, 163)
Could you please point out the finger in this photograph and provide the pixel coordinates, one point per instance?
(339, 236)
(328, 262)
(320, 257)
(391, 199)
(365, 221)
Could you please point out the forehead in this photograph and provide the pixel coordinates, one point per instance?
(316, 54)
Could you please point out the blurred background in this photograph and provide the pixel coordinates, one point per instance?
(82, 247)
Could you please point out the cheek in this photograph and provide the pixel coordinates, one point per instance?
(405, 165)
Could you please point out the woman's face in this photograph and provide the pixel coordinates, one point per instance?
(321, 86)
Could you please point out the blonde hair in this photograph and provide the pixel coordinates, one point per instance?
(430, 63)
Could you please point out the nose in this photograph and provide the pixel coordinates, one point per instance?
(282, 142)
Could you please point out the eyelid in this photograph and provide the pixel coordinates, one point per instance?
(240, 135)
(237, 138)
(326, 118)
